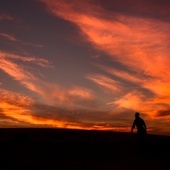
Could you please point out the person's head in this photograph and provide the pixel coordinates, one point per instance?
(137, 115)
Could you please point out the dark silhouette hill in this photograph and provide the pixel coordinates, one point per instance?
(33, 148)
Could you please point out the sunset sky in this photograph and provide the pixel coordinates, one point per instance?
(85, 64)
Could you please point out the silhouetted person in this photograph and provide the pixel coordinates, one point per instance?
(139, 123)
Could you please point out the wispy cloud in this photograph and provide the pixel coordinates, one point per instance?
(13, 38)
(81, 92)
(10, 65)
(38, 61)
(130, 76)
(21, 110)
(49, 92)
(9, 37)
(75, 97)
(139, 43)
(134, 36)
(15, 98)
(105, 81)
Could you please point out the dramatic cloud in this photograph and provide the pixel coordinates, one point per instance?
(85, 64)
(21, 111)
(139, 43)
(17, 71)
(50, 92)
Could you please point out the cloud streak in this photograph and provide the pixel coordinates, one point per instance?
(14, 39)
(139, 43)
(51, 93)
(8, 37)
(17, 71)
(106, 82)
(21, 110)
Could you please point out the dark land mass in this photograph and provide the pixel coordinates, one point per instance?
(60, 149)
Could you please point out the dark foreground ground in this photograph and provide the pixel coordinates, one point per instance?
(59, 149)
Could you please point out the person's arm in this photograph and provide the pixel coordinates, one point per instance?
(144, 126)
(133, 126)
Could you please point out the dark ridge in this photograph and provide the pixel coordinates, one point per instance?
(42, 148)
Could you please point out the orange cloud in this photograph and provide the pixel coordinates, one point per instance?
(74, 96)
(20, 110)
(105, 82)
(10, 65)
(38, 61)
(49, 92)
(130, 77)
(139, 44)
(81, 92)
(17, 107)
(22, 115)
(14, 98)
